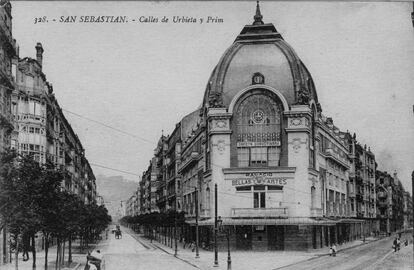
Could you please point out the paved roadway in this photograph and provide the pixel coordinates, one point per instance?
(129, 254)
(364, 257)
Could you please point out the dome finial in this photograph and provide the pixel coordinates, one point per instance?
(258, 17)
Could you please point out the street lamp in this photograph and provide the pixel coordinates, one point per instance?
(196, 210)
(175, 234)
(220, 222)
(215, 227)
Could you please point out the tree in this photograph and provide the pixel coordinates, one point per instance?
(18, 178)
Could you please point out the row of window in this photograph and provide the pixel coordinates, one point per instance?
(258, 156)
(34, 130)
(31, 147)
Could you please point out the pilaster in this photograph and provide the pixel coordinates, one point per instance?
(219, 132)
(298, 135)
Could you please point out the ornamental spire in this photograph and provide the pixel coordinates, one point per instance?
(258, 17)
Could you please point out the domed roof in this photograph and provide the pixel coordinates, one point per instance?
(259, 49)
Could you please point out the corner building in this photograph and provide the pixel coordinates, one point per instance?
(281, 167)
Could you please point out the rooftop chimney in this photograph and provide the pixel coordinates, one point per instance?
(39, 53)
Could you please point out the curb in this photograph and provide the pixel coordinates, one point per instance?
(160, 248)
(147, 246)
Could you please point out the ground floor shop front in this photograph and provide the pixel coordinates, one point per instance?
(262, 235)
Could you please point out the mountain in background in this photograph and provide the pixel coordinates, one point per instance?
(115, 189)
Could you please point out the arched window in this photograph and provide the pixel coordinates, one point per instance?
(313, 197)
(257, 130)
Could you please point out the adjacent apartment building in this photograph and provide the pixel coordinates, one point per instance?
(8, 54)
(42, 130)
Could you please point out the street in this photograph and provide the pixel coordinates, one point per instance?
(129, 254)
(370, 256)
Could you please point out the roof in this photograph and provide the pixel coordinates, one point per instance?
(259, 48)
(276, 221)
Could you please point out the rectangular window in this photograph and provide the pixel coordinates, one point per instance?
(243, 157)
(259, 187)
(31, 129)
(274, 156)
(274, 188)
(258, 156)
(248, 188)
(37, 130)
(259, 200)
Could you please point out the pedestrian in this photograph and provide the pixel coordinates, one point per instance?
(333, 250)
(398, 244)
(330, 251)
(26, 246)
(394, 245)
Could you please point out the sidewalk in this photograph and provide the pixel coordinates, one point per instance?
(246, 260)
(77, 259)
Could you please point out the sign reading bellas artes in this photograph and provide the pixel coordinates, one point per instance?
(259, 178)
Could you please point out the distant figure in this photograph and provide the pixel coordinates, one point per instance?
(26, 247)
(333, 250)
(394, 245)
(398, 244)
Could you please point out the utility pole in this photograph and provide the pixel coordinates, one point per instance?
(175, 234)
(215, 227)
(196, 210)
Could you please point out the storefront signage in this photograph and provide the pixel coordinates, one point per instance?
(259, 181)
(249, 177)
(258, 144)
(259, 178)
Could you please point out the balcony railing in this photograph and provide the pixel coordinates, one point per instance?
(281, 212)
(205, 213)
(32, 117)
(329, 152)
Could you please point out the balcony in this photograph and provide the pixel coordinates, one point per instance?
(330, 153)
(32, 118)
(205, 213)
(382, 194)
(281, 212)
(382, 203)
(190, 159)
(35, 91)
(316, 212)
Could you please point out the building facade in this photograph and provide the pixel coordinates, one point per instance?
(407, 211)
(282, 175)
(390, 202)
(42, 130)
(8, 55)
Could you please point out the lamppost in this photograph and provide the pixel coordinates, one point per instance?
(215, 227)
(196, 210)
(175, 234)
(220, 222)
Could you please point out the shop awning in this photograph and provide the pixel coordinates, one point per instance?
(268, 221)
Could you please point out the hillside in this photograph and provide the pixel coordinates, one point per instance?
(114, 189)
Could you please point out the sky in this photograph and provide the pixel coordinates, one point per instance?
(142, 78)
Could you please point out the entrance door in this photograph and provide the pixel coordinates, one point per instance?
(244, 237)
(276, 237)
